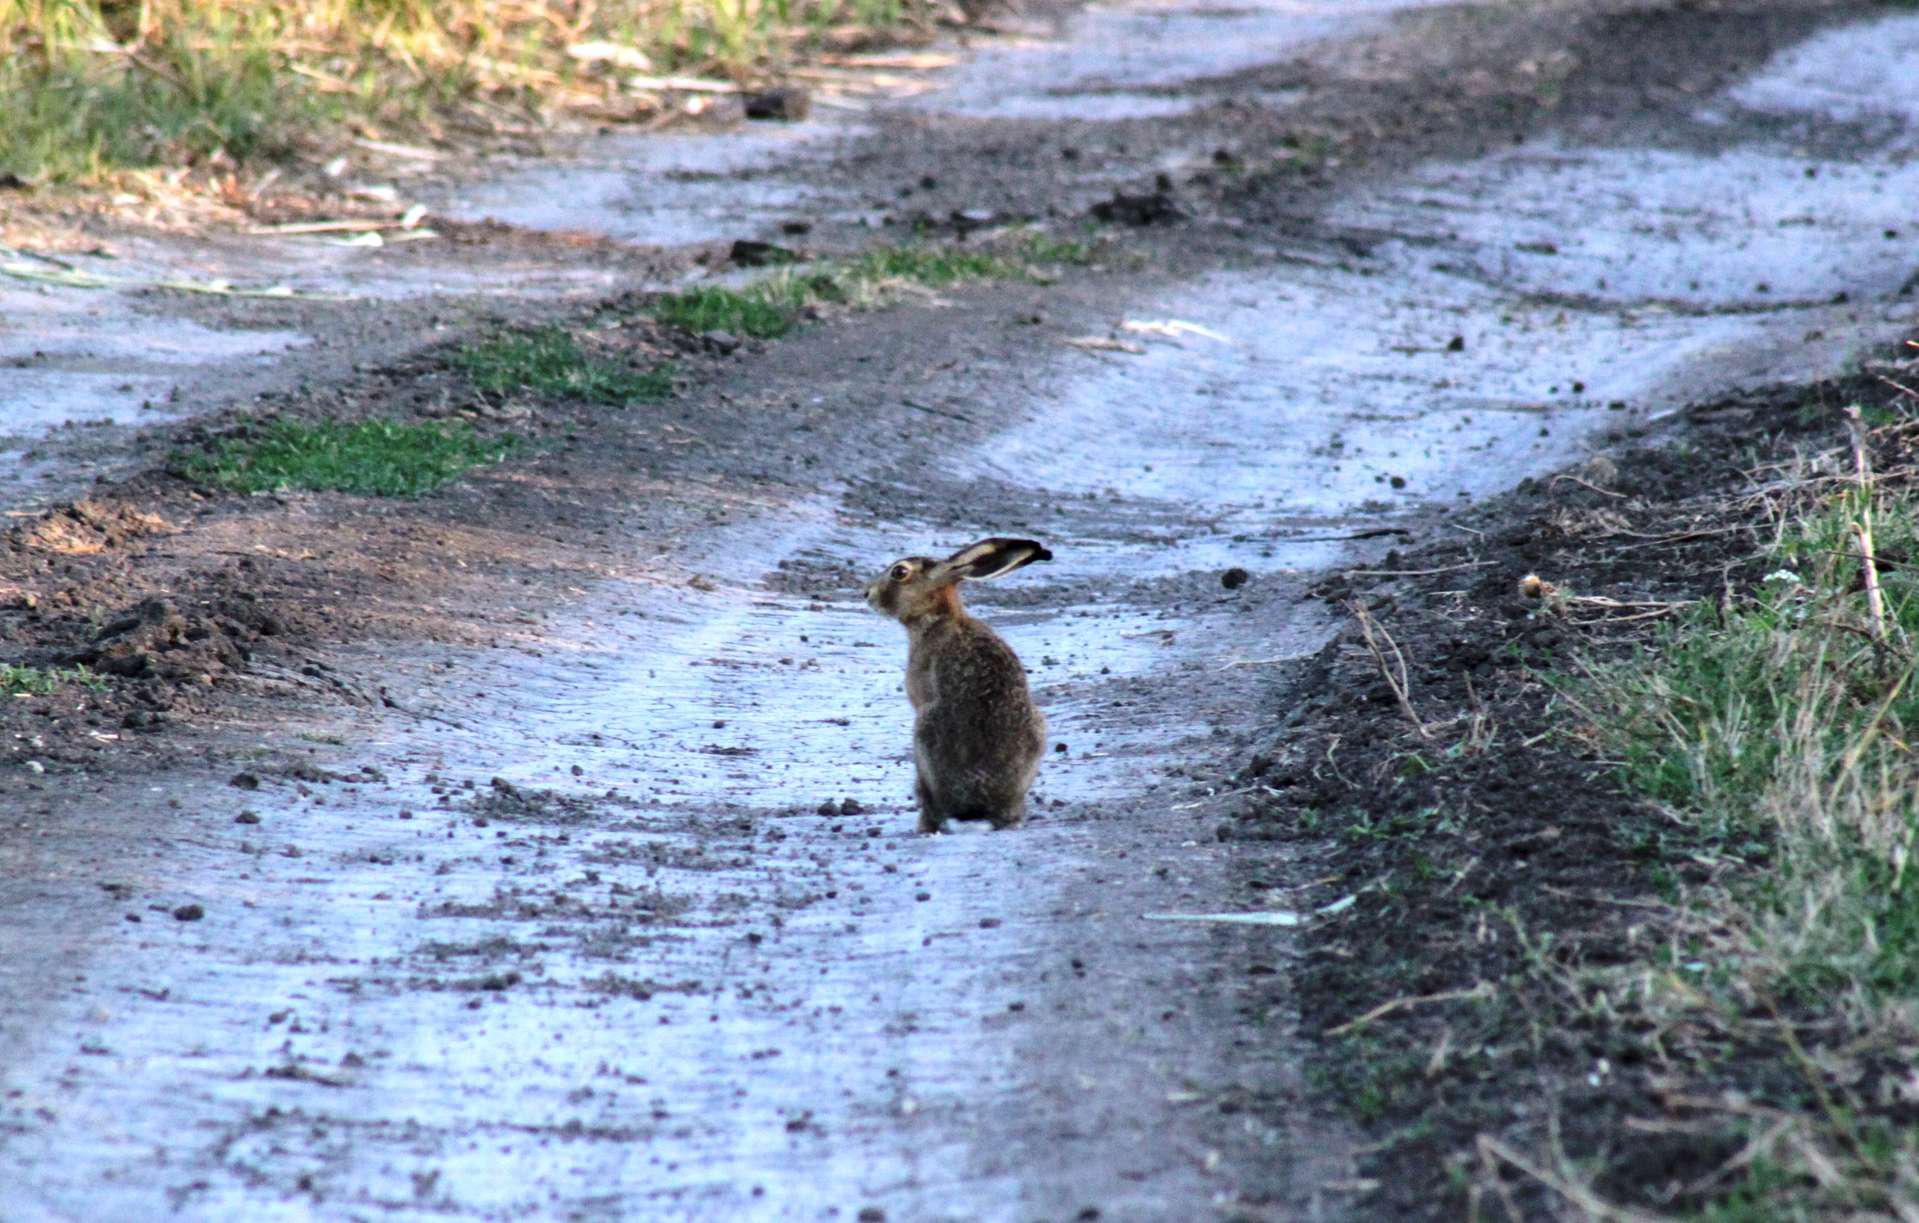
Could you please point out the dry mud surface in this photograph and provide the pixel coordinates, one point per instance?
(542, 847)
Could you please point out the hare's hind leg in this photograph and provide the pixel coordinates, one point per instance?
(1010, 817)
(931, 818)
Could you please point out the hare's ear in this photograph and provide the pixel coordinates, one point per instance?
(989, 558)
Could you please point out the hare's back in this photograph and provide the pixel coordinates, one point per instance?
(979, 671)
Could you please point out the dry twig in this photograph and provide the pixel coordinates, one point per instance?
(1493, 1152)
(1679, 537)
(1416, 573)
(1398, 680)
(1604, 492)
(1479, 990)
(1901, 387)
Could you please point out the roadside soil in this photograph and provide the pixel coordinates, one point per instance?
(540, 845)
(1494, 853)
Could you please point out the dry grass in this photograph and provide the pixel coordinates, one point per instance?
(90, 87)
(1779, 728)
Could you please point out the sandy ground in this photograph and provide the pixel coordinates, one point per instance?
(543, 847)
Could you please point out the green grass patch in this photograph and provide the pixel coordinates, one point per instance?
(1360, 824)
(548, 361)
(1742, 712)
(40, 681)
(1780, 731)
(377, 457)
(1776, 729)
(1371, 1078)
(1305, 154)
(219, 92)
(1044, 250)
(931, 266)
(770, 306)
(753, 311)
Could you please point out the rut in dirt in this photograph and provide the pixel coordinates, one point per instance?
(633, 922)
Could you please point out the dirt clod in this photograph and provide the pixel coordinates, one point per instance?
(786, 103)
(1151, 208)
(748, 253)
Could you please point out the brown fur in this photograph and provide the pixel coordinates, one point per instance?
(977, 737)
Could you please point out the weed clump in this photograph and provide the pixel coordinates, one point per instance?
(377, 457)
(770, 306)
(752, 312)
(41, 681)
(549, 361)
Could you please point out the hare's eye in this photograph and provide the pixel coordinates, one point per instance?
(901, 572)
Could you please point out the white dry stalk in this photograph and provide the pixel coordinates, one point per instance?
(1479, 989)
(1173, 329)
(1399, 681)
(1862, 526)
(1098, 343)
(1493, 1152)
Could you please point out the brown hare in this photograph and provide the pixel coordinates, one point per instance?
(977, 738)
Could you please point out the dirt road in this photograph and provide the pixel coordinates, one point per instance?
(556, 858)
